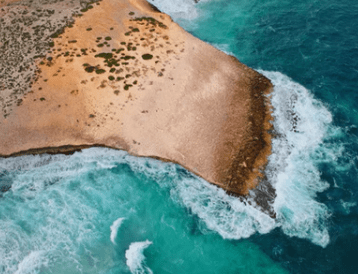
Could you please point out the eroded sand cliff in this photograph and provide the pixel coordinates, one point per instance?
(123, 75)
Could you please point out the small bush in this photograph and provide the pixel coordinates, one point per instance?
(90, 69)
(100, 71)
(147, 56)
(126, 87)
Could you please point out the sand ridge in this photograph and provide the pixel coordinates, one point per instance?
(126, 76)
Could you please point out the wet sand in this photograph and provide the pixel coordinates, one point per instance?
(125, 76)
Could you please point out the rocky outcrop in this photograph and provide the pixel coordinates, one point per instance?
(120, 74)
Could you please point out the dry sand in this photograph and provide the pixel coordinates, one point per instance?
(189, 103)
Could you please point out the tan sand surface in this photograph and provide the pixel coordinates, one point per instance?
(155, 91)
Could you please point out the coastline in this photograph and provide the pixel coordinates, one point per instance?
(215, 125)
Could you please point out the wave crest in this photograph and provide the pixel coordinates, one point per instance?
(136, 259)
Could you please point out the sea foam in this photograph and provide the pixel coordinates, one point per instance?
(32, 263)
(301, 124)
(136, 259)
(177, 9)
(114, 229)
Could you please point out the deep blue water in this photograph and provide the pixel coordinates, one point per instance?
(102, 211)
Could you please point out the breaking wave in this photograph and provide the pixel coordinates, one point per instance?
(136, 259)
(114, 229)
(301, 125)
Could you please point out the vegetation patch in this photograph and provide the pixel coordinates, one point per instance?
(127, 57)
(126, 87)
(57, 33)
(90, 69)
(105, 55)
(147, 56)
(108, 59)
(151, 21)
(100, 71)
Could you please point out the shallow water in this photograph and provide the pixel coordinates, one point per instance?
(103, 211)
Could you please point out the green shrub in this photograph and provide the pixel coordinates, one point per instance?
(147, 56)
(90, 69)
(100, 71)
(126, 87)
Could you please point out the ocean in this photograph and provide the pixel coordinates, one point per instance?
(104, 211)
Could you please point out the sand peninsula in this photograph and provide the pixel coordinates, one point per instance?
(121, 74)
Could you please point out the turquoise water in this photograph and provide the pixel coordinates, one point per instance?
(103, 211)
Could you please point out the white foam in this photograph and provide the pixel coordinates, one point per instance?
(183, 9)
(114, 229)
(302, 124)
(227, 215)
(32, 263)
(136, 259)
(347, 206)
(39, 214)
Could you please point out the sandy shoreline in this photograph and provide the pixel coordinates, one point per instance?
(125, 76)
